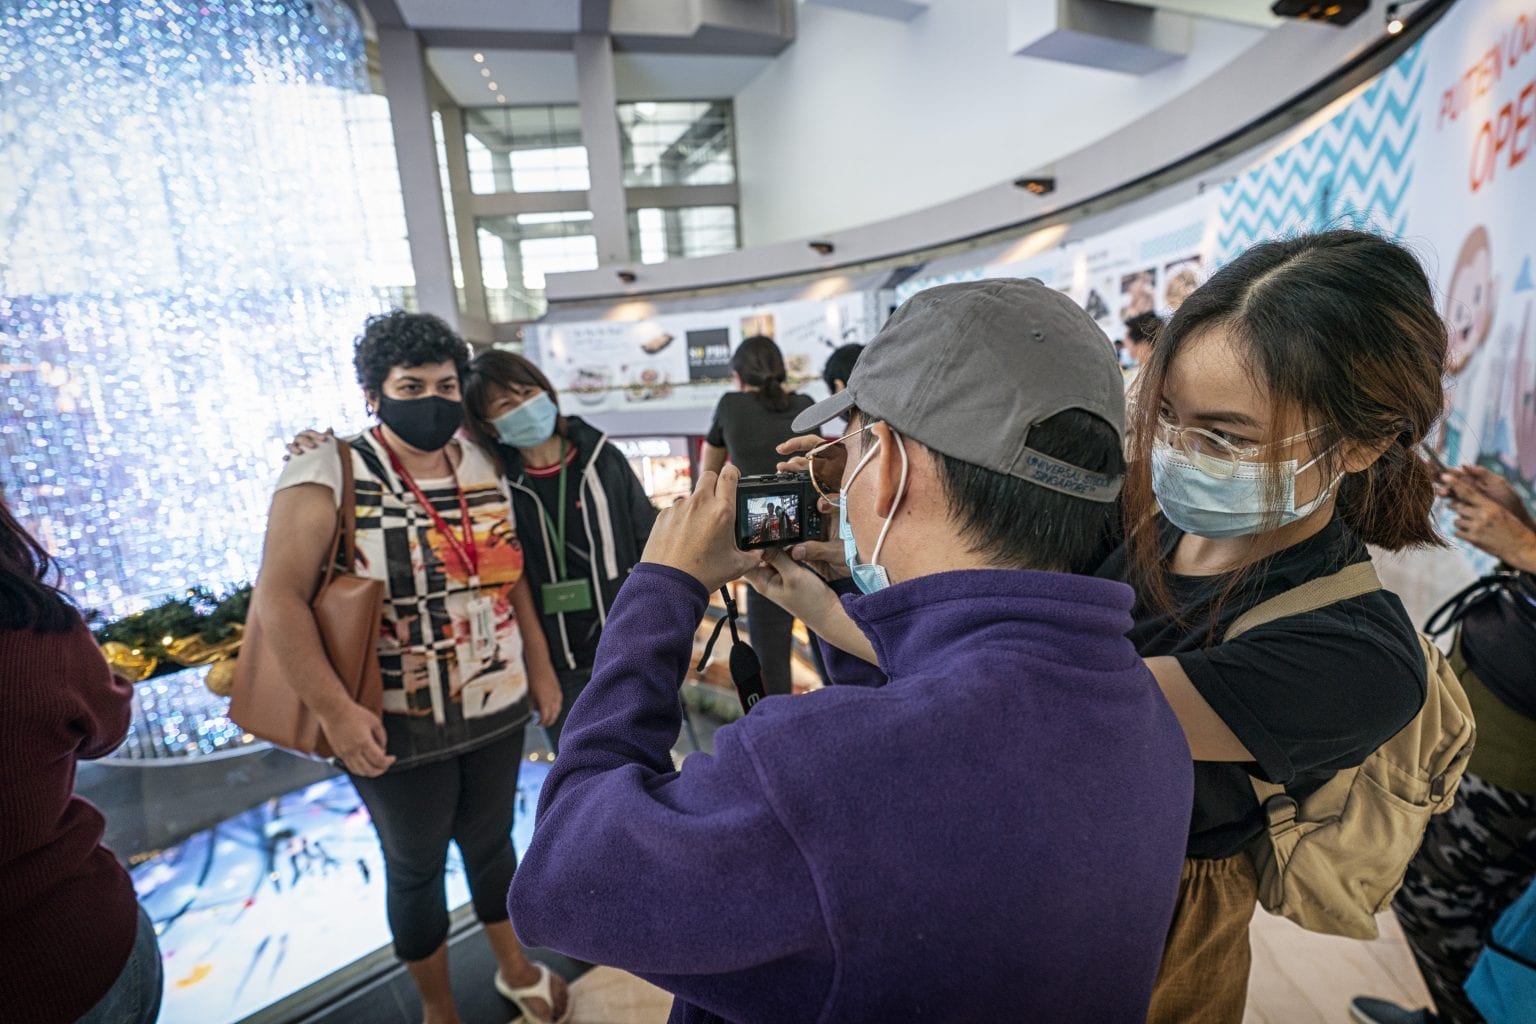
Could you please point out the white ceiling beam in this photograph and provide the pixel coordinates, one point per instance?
(1241, 12)
(1102, 34)
(896, 10)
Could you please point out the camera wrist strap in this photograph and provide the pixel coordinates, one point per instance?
(746, 670)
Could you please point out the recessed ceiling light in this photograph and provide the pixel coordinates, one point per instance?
(501, 99)
(486, 72)
(491, 86)
(479, 58)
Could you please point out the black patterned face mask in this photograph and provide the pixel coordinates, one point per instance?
(425, 424)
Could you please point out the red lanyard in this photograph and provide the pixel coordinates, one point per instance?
(465, 550)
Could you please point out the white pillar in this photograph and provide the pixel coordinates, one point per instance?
(600, 134)
(426, 224)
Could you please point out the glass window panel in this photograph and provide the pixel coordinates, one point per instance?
(481, 172)
(651, 228)
(526, 149)
(660, 234)
(516, 252)
(565, 119)
(678, 143)
(453, 229)
(554, 256)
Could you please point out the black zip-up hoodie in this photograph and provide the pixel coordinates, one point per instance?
(616, 521)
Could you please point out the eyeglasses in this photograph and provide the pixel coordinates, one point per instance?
(1212, 454)
(829, 494)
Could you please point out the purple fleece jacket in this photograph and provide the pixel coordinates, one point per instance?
(995, 834)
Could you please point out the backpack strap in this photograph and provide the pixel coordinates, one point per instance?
(1350, 581)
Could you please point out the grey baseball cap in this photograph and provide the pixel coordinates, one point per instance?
(969, 369)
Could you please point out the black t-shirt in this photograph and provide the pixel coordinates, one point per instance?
(1307, 695)
(750, 432)
(583, 628)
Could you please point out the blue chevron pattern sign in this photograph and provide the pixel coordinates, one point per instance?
(1352, 171)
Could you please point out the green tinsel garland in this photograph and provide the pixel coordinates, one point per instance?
(200, 611)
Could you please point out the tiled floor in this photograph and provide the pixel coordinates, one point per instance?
(1298, 978)
(1303, 978)
(606, 996)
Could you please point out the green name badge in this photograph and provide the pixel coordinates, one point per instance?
(567, 596)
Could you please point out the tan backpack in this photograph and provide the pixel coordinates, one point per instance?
(1334, 861)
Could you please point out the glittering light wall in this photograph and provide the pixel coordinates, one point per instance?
(198, 208)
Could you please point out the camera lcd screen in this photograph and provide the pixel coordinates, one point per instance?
(769, 520)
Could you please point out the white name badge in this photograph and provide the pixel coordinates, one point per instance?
(482, 627)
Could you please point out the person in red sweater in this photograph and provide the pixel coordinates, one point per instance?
(74, 943)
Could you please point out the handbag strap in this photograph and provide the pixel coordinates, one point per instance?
(1350, 581)
(343, 549)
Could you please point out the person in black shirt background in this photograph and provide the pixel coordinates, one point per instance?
(748, 427)
(839, 367)
(582, 512)
(1275, 435)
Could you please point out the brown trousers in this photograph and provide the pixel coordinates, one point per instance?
(1204, 974)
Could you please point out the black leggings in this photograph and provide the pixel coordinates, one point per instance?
(470, 799)
(768, 628)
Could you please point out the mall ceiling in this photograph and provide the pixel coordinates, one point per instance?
(687, 49)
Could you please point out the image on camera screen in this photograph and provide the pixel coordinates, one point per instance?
(769, 520)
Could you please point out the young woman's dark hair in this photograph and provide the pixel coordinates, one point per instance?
(27, 599)
(1341, 329)
(840, 364)
(760, 364)
(1144, 326)
(398, 338)
(508, 370)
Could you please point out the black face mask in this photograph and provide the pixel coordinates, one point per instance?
(425, 424)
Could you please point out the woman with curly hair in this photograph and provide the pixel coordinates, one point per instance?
(462, 654)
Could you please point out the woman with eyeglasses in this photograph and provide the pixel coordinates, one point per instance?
(1275, 435)
(1277, 431)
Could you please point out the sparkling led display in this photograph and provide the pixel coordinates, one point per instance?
(198, 208)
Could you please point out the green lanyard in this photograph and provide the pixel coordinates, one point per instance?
(558, 530)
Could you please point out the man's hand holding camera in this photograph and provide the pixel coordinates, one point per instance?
(697, 534)
(824, 556)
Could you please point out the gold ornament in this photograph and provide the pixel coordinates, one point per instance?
(130, 663)
(221, 677)
(194, 650)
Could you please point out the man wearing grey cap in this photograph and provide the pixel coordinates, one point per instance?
(992, 828)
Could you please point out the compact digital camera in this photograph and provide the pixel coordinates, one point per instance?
(776, 510)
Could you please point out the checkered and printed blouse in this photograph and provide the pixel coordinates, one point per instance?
(431, 710)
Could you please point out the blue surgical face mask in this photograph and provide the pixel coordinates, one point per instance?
(870, 576)
(530, 424)
(1220, 508)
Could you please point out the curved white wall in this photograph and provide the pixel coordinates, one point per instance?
(867, 118)
(1266, 78)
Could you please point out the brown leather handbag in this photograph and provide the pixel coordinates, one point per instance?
(347, 610)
